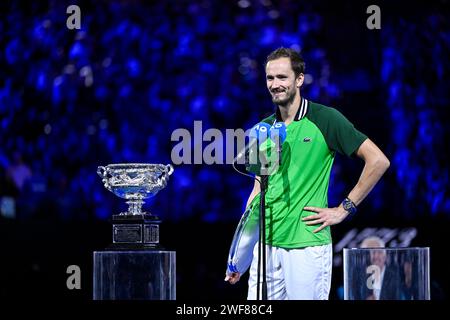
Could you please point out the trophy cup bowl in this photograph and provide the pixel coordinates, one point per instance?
(135, 182)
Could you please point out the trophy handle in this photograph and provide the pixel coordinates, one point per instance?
(169, 169)
(103, 172)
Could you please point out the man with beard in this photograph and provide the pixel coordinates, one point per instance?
(298, 220)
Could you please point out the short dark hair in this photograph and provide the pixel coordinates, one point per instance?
(297, 62)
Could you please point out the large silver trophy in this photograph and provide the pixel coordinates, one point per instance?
(135, 182)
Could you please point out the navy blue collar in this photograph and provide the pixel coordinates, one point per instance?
(301, 112)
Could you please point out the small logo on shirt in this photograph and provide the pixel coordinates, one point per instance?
(307, 139)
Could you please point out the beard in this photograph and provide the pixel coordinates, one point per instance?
(284, 99)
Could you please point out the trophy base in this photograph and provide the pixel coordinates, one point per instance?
(135, 232)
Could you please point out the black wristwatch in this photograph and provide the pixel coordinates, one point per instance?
(349, 206)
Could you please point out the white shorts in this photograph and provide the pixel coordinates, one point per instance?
(294, 274)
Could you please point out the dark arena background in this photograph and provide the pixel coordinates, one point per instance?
(114, 90)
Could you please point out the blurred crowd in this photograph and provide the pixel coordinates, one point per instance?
(416, 71)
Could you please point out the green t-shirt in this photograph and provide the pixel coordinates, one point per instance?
(303, 177)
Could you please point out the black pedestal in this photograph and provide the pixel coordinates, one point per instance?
(135, 232)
